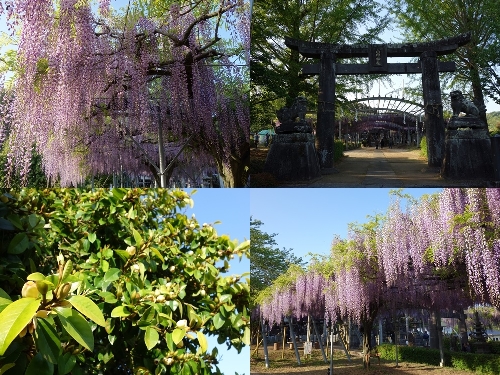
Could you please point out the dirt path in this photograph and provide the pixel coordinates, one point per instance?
(316, 366)
(395, 168)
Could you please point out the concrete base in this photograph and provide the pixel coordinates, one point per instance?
(292, 157)
(467, 151)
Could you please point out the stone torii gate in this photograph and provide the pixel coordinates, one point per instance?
(377, 54)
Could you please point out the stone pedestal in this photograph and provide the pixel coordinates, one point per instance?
(292, 157)
(467, 150)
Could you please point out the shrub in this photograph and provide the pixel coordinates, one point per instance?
(114, 279)
(423, 146)
(338, 150)
(481, 363)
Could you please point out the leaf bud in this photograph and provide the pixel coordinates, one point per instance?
(136, 268)
(42, 314)
(182, 323)
(42, 287)
(68, 268)
(131, 250)
(160, 298)
(23, 332)
(29, 290)
(63, 291)
(168, 361)
(172, 268)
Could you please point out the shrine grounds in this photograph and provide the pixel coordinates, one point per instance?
(398, 167)
(316, 366)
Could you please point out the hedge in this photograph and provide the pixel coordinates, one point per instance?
(480, 363)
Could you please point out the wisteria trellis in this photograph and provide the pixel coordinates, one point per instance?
(442, 251)
(87, 83)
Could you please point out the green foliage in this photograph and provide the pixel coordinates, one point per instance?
(423, 146)
(480, 363)
(338, 150)
(134, 275)
(269, 262)
(493, 122)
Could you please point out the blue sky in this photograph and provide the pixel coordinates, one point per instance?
(306, 220)
(232, 208)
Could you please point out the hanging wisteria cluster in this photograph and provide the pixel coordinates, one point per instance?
(440, 252)
(92, 92)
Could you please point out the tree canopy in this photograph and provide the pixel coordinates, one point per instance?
(115, 280)
(151, 89)
(478, 61)
(275, 68)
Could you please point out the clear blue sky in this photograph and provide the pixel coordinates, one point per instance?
(306, 220)
(232, 208)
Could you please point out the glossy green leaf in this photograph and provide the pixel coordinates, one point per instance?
(151, 337)
(88, 308)
(47, 341)
(218, 321)
(14, 318)
(18, 244)
(137, 238)
(242, 246)
(77, 327)
(246, 336)
(65, 363)
(92, 237)
(112, 274)
(147, 317)
(4, 302)
(120, 311)
(178, 335)
(4, 294)
(170, 341)
(203, 341)
(39, 366)
(36, 276)
(108, 297)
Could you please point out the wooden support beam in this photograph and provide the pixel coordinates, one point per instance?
(396, 68)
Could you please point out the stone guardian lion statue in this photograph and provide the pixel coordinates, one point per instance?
(461, 104)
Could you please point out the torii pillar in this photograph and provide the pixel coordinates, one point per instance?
(434, 121)
(326, 112)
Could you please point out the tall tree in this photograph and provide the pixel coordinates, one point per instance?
(275, 68)
(477, 62)
(268, 260)
(100, 92)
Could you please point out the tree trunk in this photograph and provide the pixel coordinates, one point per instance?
(235, 173)
(367, 332)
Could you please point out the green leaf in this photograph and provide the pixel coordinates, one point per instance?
(218, 321)
(14, 318)
(39, 366)
(77, 327)
(178, 335)
(37, 276)
(92, 237)
(4, 294)
(88, 308)
(66, 363)
(6, 367)
(4, 302)
(147, 317)
(119, 193)
(151, 337)
(137, 238)
(246, 336)
(203, 341)
(112, 274)
(170, 341)
(18, 244)
(32, 220)
(6, 224)
(47, 341)
(123, 254)
(120, 311)
(108, 297)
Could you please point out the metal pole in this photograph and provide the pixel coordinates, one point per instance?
(292, 334)
(331, 350)
(264, 343)
(161, 151)
(319, 340)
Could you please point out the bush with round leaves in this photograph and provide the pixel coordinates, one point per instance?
(115, 282)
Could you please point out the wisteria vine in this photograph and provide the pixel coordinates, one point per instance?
(92, 93)
(442, 251)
